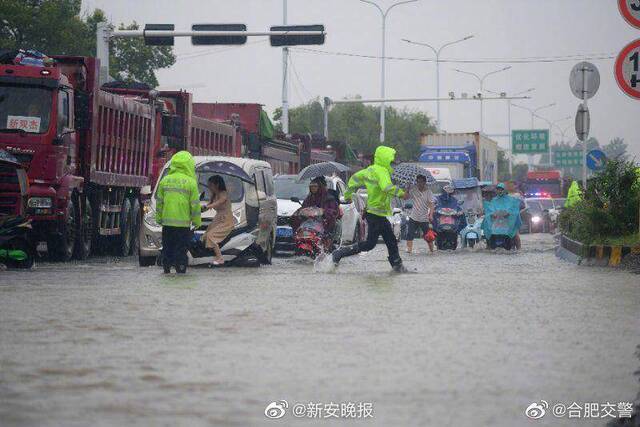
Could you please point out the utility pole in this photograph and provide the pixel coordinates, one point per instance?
(285, 77)
(437, 53)
(384, 14)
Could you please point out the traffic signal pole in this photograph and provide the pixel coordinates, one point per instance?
(285, 77)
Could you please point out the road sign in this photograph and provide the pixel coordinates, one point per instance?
(627, 69)
(216, 40)
(292, 40)
(158, 41)
(581, 89)
(630, 10)
(567, 158)
(532, 141)
(583, 122)
(596, 160)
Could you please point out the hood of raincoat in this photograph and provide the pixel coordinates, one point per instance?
(384, 156)
(182, 162)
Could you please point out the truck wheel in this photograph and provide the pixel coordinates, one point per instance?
(61, 247)
(135, 227)
(85, 232)
(124, 241)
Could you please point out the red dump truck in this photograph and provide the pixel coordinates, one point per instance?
(90, 151)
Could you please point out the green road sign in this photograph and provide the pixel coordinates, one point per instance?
(567, 158)
(533, 141)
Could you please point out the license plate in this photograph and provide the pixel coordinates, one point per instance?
(284, 232)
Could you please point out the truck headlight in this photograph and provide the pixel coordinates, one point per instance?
(150, 218)
(40, 202)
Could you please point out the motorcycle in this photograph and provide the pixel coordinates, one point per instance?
(16, 250)
(471, 235)
(310, 238)
(447, 225)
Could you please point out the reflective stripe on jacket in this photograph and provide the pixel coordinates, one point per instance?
(377, 180)
(177, 198)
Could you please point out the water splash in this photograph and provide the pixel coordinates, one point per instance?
(324, 264)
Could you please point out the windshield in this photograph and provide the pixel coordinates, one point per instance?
(436, 188)
(235, 189)
(25, 108)
(471, 198)
(546, 203)
(533, 206)
(559, 203)
(288, 187)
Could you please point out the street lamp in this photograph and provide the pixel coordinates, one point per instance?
(481, 80)
(551, 125)
(509, 104)
(384, 14)
(437, 53)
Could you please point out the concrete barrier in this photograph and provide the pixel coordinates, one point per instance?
(597, 255)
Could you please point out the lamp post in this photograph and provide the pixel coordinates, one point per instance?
(509, 104)
(481, 80)
(384, 14)
(551, 125)
(437, 53)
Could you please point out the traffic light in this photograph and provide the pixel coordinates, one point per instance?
(215, 40)
(287, 40)
(158, 41)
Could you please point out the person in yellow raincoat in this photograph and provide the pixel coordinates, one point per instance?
(574, 195)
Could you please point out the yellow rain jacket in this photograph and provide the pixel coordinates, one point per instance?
(177, 198)
(574, 195)
(377, 180)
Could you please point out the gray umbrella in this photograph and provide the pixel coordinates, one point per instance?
(405, 175)
(322, 169)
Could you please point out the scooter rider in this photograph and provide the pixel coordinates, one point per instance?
(380, 191)
(448, 200)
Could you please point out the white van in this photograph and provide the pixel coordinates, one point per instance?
(253, 203)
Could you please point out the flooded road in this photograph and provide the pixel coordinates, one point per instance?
(471, 339)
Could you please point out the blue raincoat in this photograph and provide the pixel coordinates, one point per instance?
(505, 226)
(443, 201)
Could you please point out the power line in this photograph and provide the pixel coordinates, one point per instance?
(295, 72)
(568, 58)
(196, 54)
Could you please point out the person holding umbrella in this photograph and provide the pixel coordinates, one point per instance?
(380, 192)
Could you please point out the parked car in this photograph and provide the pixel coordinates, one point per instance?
(536, 217)
(287, 187)
(253, 206)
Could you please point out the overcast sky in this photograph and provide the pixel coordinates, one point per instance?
(502, 28)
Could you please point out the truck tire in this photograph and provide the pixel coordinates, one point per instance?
(61, 247)
(123, 243)
(85, 234)
(135, 227)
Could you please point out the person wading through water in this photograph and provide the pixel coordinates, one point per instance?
(380, 192)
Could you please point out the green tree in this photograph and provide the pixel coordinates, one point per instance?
(55, 27)
(520, 172)
(358, 125)
(503, 167)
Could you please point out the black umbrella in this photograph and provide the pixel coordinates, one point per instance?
(225, 168)
(405, 175)
(322, 169)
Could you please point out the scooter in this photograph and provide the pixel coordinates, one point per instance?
(447, 221)
(239, 248)
(500, 238)
(15, 250)
(309, 238)
(501, 222)
(471, 235)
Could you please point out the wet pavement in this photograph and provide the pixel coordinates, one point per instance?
(472, 338)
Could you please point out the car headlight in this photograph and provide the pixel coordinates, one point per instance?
(536, 219)
(40, 202)
(150, 217)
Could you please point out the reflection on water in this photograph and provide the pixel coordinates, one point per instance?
(472, 338)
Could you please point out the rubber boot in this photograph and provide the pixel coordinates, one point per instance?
(396, 265)
(344, 251)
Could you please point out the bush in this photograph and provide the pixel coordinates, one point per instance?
(609, 207)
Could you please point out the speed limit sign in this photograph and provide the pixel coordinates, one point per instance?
(630, 10)
(627, 69)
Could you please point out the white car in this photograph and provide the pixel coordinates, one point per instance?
(288, 187)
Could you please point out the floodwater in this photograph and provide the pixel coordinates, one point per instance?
(472, 338)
